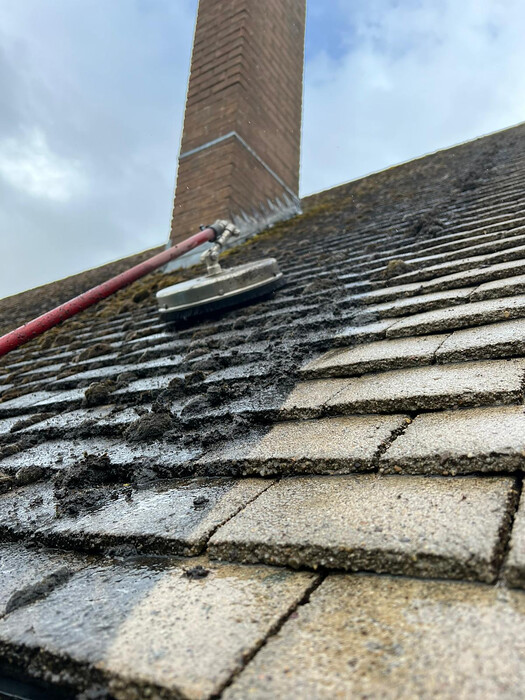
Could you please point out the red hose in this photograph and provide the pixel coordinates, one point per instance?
(37, 326)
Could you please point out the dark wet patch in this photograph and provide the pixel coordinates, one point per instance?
(37, 591)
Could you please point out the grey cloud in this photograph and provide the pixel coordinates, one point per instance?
(104, 84)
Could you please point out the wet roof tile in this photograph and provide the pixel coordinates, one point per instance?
(148, 628)
(169, 517)
(332, 445)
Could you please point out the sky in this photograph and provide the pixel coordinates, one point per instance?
(92, 99)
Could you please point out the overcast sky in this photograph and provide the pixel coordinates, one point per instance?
(92, 99)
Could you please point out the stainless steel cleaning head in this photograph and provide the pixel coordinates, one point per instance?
(219, 291)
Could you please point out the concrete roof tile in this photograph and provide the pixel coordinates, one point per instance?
(382, 637)
(433, 387)
(437, 527)
(376, 356)
(489, 439)
(326, 446)
(179, 628)
(462, 316)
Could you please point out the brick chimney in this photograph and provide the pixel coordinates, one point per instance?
(239, 156)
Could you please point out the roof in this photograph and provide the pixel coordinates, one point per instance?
(314, 496)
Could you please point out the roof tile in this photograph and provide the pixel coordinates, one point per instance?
(488, 439)
(367, 636)
(174, 627)
(332, 445)
(439, 527)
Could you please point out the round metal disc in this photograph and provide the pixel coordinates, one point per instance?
(223, 287)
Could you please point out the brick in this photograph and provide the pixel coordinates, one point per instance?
(468, 441)
(382, 637)
(321, 446)
(375, 357)
(173, 517)
(399, 525)
(474, 314)
(153, 631)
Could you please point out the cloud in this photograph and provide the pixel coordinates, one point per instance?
(91, 104)
(407, 78)
(29, 165)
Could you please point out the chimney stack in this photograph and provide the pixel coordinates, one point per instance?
(239, 156)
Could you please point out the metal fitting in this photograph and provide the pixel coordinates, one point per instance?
(224, 230)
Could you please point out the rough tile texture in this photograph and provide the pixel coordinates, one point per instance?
(29, 574)
(475, 314)
(423, 302)
(172, 517)
(56, 455)
(400, 525)
(515, 565)
(325, 446)
(199, 390)
(307, 399)
(380, 637)
(421, 388)
(500, 288)
(455, 442)
(23, 510)
(364, 333)
(145, 628)
(375, 357)
(505, 339)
